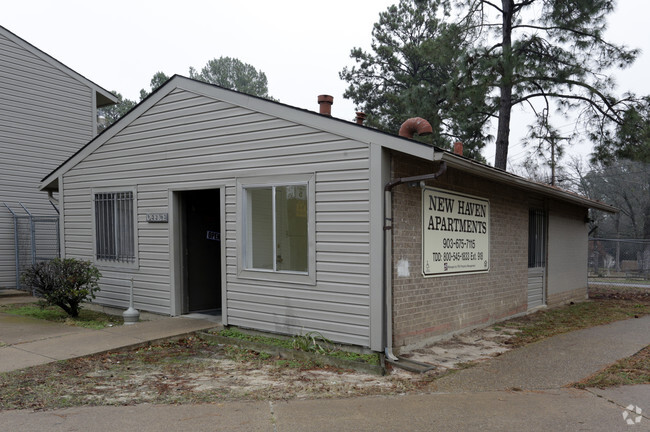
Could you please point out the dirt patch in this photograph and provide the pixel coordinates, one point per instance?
(186, 371)
(465, 348)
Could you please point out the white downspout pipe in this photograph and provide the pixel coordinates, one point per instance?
(388, 266)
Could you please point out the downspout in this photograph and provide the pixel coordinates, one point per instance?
(388, 267)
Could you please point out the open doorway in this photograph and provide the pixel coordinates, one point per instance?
(201, 250)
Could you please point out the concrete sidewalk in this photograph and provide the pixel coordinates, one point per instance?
(554, 362)
(550, 410)
(26, 342)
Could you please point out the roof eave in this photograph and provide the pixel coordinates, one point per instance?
(105, 98)
(492, 173)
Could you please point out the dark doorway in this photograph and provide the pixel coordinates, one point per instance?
(202, 250)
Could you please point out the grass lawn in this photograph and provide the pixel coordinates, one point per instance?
(87, 318)
(628, 371)
(550, 322)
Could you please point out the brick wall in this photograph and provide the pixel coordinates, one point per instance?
(424, 308)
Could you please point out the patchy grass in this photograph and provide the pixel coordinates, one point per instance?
(628, 371)
(190, 370)
(302, 343)
(550, 322)
(267, 340)
(87, 318)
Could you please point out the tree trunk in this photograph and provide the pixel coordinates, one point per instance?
(505, 101)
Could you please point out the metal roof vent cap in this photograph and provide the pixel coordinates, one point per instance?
(415, 125)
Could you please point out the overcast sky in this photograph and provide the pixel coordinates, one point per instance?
(301, 45)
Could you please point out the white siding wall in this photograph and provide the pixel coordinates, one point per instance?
(45, 116)
(187, 140)
(567, 249)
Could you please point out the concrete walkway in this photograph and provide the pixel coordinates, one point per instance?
(522, 390)
(551, 410)
(26, 342)
(554, 362)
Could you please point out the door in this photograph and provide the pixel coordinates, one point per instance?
(536, 258)
(202, 250)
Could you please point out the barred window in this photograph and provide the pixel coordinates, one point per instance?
(114, 227)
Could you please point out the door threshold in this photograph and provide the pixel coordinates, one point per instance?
(213, 315)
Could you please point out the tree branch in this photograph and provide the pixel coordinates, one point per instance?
(489, 3)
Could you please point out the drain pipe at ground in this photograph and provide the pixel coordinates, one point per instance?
(388, 266)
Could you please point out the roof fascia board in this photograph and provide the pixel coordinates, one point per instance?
(107, 134)
(519, 182)
(57, 64)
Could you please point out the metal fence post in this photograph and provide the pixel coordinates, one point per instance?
(16, 245)
(32, 233)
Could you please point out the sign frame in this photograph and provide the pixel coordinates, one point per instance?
(461, 233)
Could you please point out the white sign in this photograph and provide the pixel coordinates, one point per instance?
(455, 233)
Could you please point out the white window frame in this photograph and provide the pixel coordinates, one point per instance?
(244, 271)
(106, 263)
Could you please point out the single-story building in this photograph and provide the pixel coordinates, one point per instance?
(291, 221)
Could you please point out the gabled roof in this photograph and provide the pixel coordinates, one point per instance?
(104, 97)
(313, 119)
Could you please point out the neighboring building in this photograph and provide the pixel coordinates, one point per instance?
(47, 113)
(205, 198)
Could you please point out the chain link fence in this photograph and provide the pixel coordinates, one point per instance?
(624, 259)
(36, 239)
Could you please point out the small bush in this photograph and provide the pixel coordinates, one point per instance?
(65, 283)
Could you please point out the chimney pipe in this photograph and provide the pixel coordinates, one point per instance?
(415, 125)
(360, 117)
(325, 102)
(458, 148)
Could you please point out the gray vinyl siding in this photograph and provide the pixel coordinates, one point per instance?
(567, 249)
(45, 116)
(187, 140)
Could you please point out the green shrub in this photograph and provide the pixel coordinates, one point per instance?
(65, 283)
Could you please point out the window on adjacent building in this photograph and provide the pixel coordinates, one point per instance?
(114, 227)
(277, 228)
